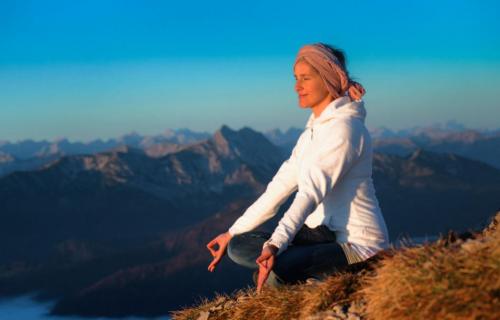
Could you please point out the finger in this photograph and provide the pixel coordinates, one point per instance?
(260, 283)
(261, 279)
(212, 243)
(211, 248)
(262, 257)
(214, 263)
(262, 262)
(212, 252)
(212, 266)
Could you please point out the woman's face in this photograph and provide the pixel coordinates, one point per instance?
(310, 87)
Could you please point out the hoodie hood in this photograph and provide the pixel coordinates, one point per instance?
(341, 107)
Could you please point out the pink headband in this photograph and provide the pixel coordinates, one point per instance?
(331, 71)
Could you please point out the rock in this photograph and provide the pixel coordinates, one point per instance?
(339, 311)
(215, 308)
(204, 315)
(229, 305)
(472, 246)
(353, 316)
(312, 281)
(220, 300)
(357, 307)
(242, 298)
(355, 310)
(493, 224)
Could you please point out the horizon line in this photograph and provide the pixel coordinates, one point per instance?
(436, 125)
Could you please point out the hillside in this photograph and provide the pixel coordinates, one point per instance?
(427, 193)
(452, 278)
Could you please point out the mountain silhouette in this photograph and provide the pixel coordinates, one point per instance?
(125, 192)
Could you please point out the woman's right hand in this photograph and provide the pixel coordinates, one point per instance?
(222, 240)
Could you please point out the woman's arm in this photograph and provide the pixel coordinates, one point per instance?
(316, 178)
(280, 187)
(277, 191)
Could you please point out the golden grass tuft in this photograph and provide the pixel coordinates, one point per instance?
(337, 289)
(438, 281)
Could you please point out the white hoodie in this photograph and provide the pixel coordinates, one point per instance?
(331, 166)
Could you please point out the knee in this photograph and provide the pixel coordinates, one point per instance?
(235, 248)
(244, 249)
(231, 245)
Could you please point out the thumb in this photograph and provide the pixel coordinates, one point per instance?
(262, 261)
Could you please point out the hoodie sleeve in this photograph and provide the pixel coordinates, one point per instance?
(317, 176)
(277, 191)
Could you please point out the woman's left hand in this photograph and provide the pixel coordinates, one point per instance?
(266, 263)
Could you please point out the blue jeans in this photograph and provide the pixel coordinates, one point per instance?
(313, 253)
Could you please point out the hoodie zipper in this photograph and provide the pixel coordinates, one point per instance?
(312, 133)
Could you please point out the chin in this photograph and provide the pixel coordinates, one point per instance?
(303, 105)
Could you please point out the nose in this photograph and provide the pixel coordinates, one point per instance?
(298, 86)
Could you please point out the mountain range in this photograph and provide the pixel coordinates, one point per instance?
(451, 137)
(128, 192)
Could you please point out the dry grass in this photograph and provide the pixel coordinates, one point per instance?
(442, 280)
(289, 302)
(460, 280)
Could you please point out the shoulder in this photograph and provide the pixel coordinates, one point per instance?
(344, 129)
(302, 138)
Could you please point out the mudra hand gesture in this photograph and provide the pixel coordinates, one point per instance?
(266, 263)
(222, 240)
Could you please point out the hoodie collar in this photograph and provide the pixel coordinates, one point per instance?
(341, 107)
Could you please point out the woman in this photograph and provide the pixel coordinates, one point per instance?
(335, 219)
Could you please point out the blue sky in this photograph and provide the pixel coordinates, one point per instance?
(89, 69)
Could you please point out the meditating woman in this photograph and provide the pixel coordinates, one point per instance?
(334, 219)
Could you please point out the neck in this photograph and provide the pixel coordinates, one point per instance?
(320, 107)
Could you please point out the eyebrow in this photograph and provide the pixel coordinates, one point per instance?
(302, 74)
